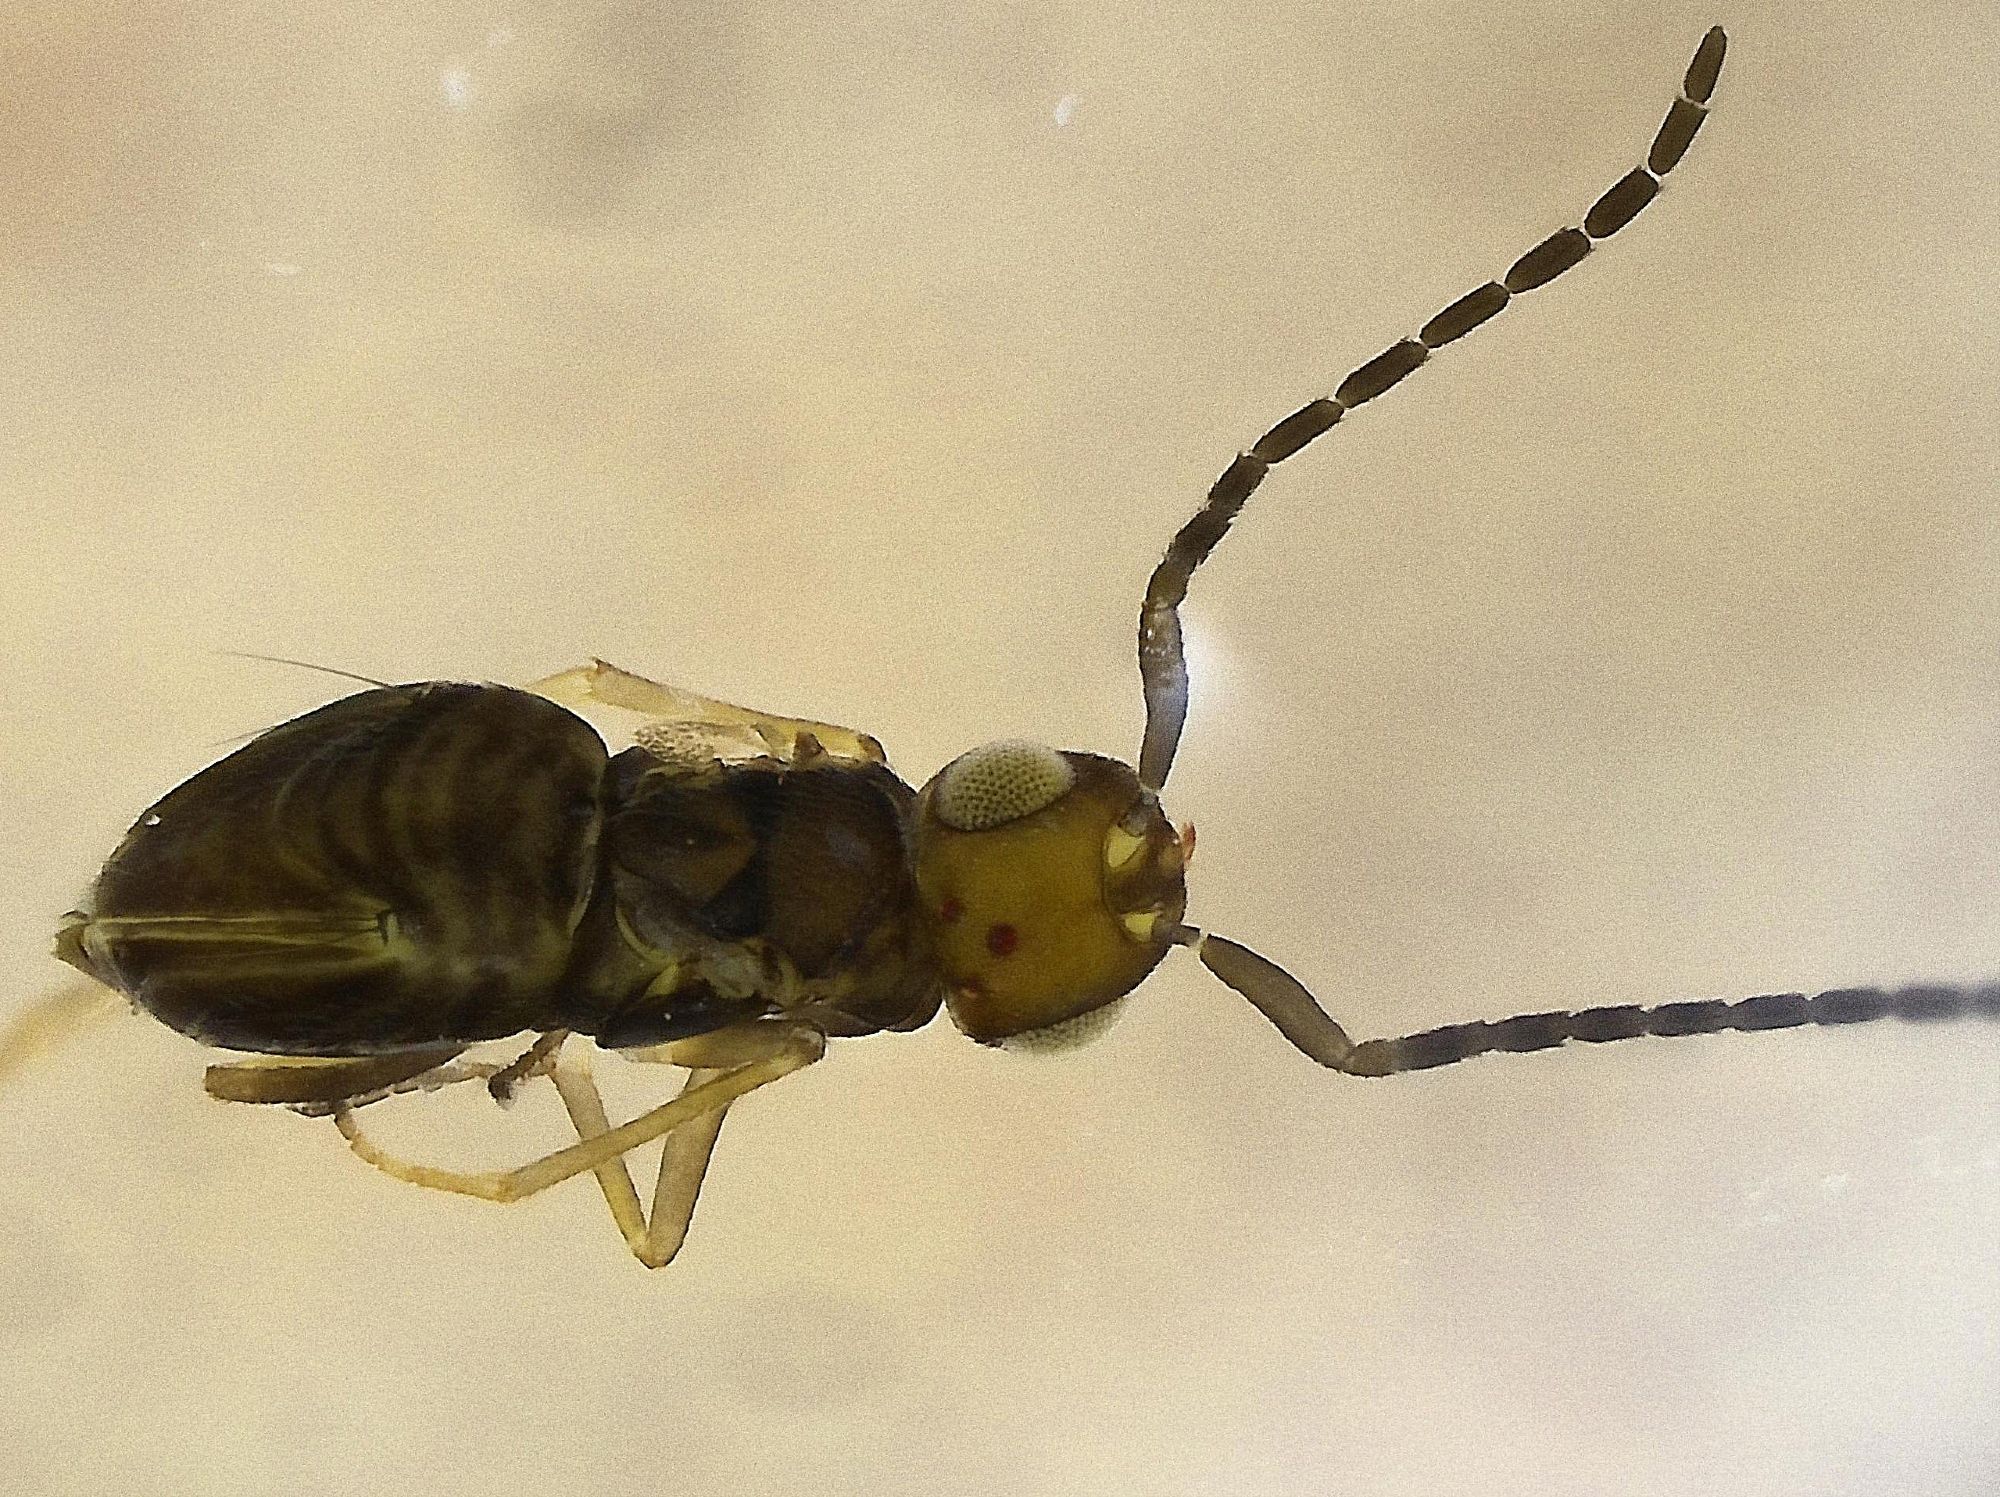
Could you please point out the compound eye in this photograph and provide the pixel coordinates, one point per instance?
(1068, 1034)
(998, 783)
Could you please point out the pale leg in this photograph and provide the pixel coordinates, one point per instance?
(586, 1111)
(53, 1020)
(683, 1164)
(786, 1048)
(313, 1081)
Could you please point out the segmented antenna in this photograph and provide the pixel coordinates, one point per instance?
(1283, 1000)
(1162, 661)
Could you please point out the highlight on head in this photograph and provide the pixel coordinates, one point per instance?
(1053, 885)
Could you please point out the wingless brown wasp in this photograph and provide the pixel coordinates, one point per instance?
(359, 895)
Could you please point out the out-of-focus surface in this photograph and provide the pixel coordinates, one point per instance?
(857, 362)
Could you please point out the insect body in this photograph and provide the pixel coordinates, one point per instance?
(441, 863)
(377, 885)
(444, 863)
(359, 895)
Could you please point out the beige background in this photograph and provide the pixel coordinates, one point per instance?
(827, 359)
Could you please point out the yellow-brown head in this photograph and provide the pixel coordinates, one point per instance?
(1053, 884)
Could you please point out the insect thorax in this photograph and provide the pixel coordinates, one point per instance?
(730, 891)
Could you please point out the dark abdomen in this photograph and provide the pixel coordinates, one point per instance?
(404, 866)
